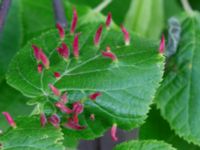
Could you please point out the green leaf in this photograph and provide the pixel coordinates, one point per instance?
(178, 96)
(114, 6)
(85, 13)
(70, 142)
(144, 145)
(145, 17)
(25, 19)
(36, 17)
(122, 84)
(10, 37)
(11, 99)
(30, 135)
(161, 131)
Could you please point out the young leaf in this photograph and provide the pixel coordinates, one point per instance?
(146, 17)
(178, 96)
(144, 145)
(125, 97)
(30, 135)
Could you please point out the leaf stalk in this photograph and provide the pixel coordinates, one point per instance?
(187, 6)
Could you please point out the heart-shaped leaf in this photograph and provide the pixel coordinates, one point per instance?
(151, 129)
(144, 145)
(178, 96)
(30, 135)
(125, 96)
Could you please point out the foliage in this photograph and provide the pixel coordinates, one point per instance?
(127, 76)
(144, 145)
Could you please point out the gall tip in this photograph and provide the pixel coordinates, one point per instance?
(9, 119)
(61, 31)
(57, 75)
(108, 20)
(114, 132)
(110, 55)
(55, 91)
(74, 22)
(94, 96)
(162, 45)
(126, 35)
(97, 36)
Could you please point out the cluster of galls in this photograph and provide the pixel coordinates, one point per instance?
(77, 108)
(64, 52)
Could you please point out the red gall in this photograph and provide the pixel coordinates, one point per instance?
(76, 46)
(44, 59)
(55, 91)
(43, 120)
(108, 20)
(36, 51)
(63, 98)
(60, 30)
(73, 125)
(126, 35)
(40, 56)
(9, 119)
(63, 108)
(74, 22)
(110, 55)
(94, 96)
(114, 132)
(40, 68)
(56, 75)
(97, 36)
(78, 107)
(64, 51)
(75, 118)
(54, 120)
(162, 45)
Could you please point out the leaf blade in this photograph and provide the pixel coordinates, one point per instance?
(120, 84)
(180, 84)
(144, 145)
(30, 135)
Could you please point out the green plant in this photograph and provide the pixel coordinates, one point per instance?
(93, 74)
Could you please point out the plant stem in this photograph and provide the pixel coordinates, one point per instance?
(59, 13)
(102, 5)
(4, 7)
(187, 6)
